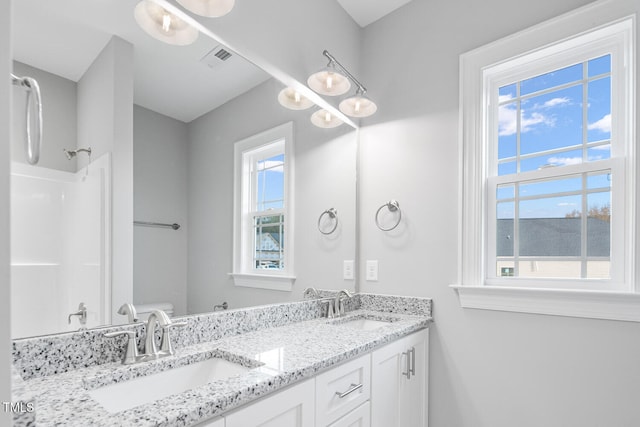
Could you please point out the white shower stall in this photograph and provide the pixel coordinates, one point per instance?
(60, 247)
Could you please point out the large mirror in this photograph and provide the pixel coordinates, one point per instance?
(161, 122)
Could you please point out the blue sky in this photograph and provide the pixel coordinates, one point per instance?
(551, 117)
(270, 181)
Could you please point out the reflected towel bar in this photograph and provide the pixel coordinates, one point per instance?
(157, 224)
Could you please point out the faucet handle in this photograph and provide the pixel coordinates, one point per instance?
(165, 344)
(331, 311)
(131, 352)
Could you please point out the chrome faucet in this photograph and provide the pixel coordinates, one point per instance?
(338, 305)
(311, 293)
(82, 314)
(159, 318)
(130, 311)
(130, 355)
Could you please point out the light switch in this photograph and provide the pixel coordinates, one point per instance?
(347, 270)
(372, 270)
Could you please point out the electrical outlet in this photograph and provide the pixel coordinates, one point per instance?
(372, 270)
(347, 270)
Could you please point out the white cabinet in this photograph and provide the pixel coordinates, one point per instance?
(342, 389)
(359, 417)
(385, 388)
(399, 382)
(292, 407)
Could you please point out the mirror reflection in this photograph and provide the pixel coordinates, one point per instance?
(139, 130)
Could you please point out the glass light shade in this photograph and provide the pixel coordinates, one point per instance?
(358, 106)
(324, 119)
(163, 25)
(329, 82)
(291, 99)
(209, 8)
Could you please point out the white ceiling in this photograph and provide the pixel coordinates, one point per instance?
(65, 36)
(364, 12)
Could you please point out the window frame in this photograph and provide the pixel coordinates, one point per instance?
(589, 28)
(263, 145)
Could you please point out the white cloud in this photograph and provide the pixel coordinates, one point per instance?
(507, 124)
(566, 204)
(564, 161)
(508, 116)
(556, 101)
(603, 125)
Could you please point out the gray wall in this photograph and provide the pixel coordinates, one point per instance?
(324, 177)
(59, 118)
(487, 368)
(160, 195)
(6, 91)
(105, 123)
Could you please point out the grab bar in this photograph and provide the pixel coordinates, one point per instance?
(32, 145)
(157, 224)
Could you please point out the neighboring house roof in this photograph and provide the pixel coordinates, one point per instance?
(269, 246)
(554, 237)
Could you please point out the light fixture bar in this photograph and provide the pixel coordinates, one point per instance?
(331, 58)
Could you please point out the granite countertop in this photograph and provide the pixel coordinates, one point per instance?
(276, 357)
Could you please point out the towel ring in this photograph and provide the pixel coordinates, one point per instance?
(333, 214)
(393, 206)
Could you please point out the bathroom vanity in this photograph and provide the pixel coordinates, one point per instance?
(276, 365)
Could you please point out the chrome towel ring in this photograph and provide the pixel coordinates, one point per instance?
(333, 215)
(33, 141)
(393, 206)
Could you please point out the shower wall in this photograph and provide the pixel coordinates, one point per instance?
(59, 242)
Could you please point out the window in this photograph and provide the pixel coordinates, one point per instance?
(551, 171)
(548, 185)
(263, 252)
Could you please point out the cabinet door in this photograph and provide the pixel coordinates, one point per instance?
(386, 365)
(292, 407)
(413, 390)
(399, 399)
(359, 417)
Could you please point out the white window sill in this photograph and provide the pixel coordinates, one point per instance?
(263, 281)
(588, 304)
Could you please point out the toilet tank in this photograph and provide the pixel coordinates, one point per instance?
(144, 310)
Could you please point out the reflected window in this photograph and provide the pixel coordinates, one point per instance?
(263, 216)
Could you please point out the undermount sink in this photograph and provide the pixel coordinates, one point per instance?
(362, 323)
(139, 391)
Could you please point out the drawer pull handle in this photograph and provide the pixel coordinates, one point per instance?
(353, 388)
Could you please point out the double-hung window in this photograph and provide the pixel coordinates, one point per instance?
(263, 218)
(549, 193)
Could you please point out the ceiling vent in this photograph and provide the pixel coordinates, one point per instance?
(216, 57)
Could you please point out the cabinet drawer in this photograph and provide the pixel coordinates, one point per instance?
(342, 389)
(359, 417)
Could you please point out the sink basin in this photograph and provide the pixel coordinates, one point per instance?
(363, 324)
(129, 394)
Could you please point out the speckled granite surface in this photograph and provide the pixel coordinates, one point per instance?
(22, 395)
(281, 344)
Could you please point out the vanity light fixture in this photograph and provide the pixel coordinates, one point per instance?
(163, 25)
(358, 105)
(293, 100)
(327, 82)
(208, 8)
(324, 119)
